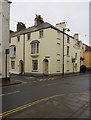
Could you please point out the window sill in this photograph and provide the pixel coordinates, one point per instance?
(34, 70)
(58, 54)
(13, 56)
(34, 55)
(68, 56)
(58, 71)
(58, 38)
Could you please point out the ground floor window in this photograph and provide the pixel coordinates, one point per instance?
(58, 65)
(76, 67)
(12, 64)
(35, 65)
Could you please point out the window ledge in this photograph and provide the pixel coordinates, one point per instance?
(58, 71)
(13, 56)
(58, 54)
(34, 70)
(34, 55)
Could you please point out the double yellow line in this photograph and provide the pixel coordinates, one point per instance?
(32, 104)
(27, 105)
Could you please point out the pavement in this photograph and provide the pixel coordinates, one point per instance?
(13, 79)
(9, 82)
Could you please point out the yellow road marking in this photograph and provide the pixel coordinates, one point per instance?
(27, 105)
(31, 104)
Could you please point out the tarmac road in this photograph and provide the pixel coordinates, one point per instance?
(37, 92)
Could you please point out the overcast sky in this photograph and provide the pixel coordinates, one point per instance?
(75, 14)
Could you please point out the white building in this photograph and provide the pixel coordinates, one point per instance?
(4, 36)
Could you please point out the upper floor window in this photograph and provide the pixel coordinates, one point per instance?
(35, 47)
(67, 50)
(41, 34)
(12, 50)
(75, 55)
(18, 38)
(68, 39)
(28, 36)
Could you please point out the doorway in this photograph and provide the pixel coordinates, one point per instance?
(45, 66)
(21, 66)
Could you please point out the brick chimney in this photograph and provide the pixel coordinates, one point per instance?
(20, 26)
(38, 20)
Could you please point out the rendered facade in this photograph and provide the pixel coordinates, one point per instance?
(38, 50)
(87, 56)
(4, 37)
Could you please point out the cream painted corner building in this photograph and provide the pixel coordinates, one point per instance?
(38, 50)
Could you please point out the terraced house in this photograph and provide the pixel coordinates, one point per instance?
(86, 56)
(44, 49)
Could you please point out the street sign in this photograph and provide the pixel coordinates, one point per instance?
(6, 51)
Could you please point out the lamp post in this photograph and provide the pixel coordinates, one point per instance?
(63, 48)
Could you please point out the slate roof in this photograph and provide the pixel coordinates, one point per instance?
(36, 28)
(88, 48)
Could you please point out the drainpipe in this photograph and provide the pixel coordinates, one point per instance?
(23, 53)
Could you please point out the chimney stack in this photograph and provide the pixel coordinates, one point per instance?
(61, 25)
(38, 20)
(20, 26)
(76, 36)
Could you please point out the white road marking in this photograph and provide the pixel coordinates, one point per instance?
(49, 84)
(52, 84)
(9, 93)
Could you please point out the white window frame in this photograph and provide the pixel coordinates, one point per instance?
(13, 62)
(35, 47)
(41, 34)
(28, 36)
(35, 65)
(12, 50)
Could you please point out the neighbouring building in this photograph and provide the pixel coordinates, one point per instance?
(4, 37)
(86, 56)
(38, 50)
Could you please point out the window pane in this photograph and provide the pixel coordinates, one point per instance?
(40, 33)
(28, 36)
(12, 51)
(34, 48)
(12, 64)
(35, 64)
(18, 38)
(67, 39)
(67, 50)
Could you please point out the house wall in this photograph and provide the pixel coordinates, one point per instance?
(4, 36)
(50, 48)
(19, 53)
(87, 59)
(47, 50)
